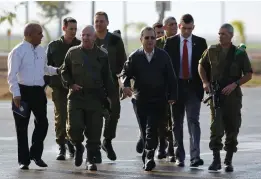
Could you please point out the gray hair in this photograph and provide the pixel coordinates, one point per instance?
(89, 27)
(147, 28)
(167, 19)
(229, 27)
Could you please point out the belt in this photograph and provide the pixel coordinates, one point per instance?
(185, 81)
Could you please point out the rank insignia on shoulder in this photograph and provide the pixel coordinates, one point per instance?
(212, 46)
(104, 49)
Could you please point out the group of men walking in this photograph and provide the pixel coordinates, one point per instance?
(165, 78)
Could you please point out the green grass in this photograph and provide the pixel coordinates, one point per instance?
(133, 44)
(4, 44)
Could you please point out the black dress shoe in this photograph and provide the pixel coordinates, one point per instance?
(180, 163)
(39, 162)
(107, 147)
(172, 159)
(150, 165)
(196, 162)
(23, 167)
(161, 154)
(140, 146)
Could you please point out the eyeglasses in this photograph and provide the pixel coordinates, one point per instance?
(149, 37)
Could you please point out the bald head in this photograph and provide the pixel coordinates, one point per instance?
(31, 28)
(33, 33)
(89, 28)
(88, 36)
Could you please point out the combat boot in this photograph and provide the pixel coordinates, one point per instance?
(150, 163)
(62, 153)
(107, 147)
(90, 160)
(170, 152)
(216, 164)
(228, 162)
(162, 149)
(78, 154)
(71, 149)
(98, 157)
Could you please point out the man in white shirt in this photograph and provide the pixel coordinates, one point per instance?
(27, 65)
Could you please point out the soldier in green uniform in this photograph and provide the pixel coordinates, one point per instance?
(87, 74)
(170, 27)
(55, 55)
(165, 131)
(225, 64)
(158, 28)
(117, 56)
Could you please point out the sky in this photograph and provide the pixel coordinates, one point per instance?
(207, 15)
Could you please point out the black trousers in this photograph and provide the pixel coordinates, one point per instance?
(35, 97)
(150, 116)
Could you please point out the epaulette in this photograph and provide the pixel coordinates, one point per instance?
(212, 46)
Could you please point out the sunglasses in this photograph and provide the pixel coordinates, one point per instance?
(149, 37)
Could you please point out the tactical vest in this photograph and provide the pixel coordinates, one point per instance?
(224, 70)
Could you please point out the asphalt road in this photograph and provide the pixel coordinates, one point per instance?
(247, 161)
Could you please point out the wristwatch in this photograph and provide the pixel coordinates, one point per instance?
(237, 83)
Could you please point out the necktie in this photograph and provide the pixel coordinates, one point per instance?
(185, 64)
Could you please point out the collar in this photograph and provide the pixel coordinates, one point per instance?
(150, 54)
(73, 40)
(182, 38)
(29, 44)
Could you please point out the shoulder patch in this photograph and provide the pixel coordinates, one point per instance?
(102, 48)
(241, 48)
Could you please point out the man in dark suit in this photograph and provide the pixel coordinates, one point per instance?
(155, 85)
(185, 50)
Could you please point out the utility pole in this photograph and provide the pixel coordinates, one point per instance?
(125, 30)
(161, 8)
(59, 14)
(93, 12)
(223, 12)
(162, 12)
(26, 12)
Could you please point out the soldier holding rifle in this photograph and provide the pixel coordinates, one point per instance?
(221, 68)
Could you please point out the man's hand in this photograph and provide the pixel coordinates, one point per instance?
(229, 88)
(76, 87)
(206, 86)
(17, 100)
(58, 71)
(171, 101)
(127, 91)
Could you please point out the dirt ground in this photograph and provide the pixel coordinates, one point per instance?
(4, 89)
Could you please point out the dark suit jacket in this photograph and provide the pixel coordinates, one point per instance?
(199, 45)
(154, 80)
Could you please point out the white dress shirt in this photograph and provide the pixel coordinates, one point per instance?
(189, 46)
(27, 65)
(149, 55)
